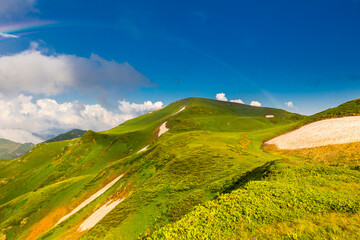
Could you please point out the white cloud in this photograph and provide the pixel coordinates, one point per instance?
(237, 101)
(34, 72)
(16, 9)
(44, 115)
(19, 136)
(138, 109)
(289, 104)
(255, 104)
(6, 35)
(221, 97)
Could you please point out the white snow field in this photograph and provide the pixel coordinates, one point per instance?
(321, 133)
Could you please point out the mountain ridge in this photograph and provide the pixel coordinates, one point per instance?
(74, 133)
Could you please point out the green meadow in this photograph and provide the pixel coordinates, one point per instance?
(208, 177)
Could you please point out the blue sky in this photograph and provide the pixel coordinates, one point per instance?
(304, 52)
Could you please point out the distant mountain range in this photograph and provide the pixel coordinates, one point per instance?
(10, 149)
(75, 133)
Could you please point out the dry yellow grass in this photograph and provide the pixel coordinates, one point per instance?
(339, 154)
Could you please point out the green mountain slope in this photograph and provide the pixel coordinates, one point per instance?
(351, 108)
(206, 177)
(294, 200)
(305, 194)
(75, 133)
(212, 147)
(10, 149)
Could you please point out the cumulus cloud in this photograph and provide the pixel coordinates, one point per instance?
(34, 72)
(138, 109)
(289, 104)
(237, 101)
(43, 115)
(221, 97)
(255, 104)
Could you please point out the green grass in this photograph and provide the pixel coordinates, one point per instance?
(189, 165)
(351, 108)
(293, 201)
(211, 159)
(293, 198)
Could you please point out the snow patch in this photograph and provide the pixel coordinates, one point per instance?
(98, 215)
(163, 129)
(143, 149)
(90, 199)
(321, 133)
(182, 109)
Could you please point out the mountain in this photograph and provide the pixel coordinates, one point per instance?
(194, 169)
(75, 133)
(9, 149)
(308, 193)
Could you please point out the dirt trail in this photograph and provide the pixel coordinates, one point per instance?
(98, 215)
(284, 118)
(90, 199)
(321, 133)
(245, 143)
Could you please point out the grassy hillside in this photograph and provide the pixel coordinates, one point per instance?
(75, 133)
(351, 108)
(9, 149)
(293, 200)
(207, 177)
(212, 147)
(346, 155)
(305, 194)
